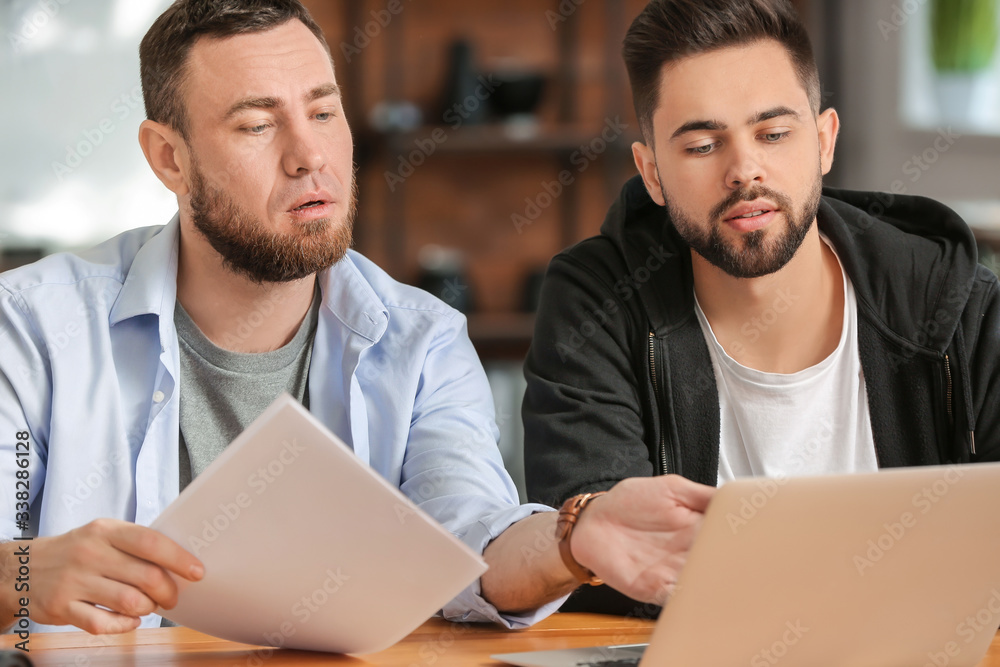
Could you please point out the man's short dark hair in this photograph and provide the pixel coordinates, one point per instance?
(164, 51)
(669, 30)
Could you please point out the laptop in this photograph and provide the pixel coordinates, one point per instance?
(305, 546)
(895, 568)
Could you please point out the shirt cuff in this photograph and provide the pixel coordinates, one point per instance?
(469, 605)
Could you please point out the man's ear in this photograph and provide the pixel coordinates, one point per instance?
(167, 155)
(645, 162)
(828, 124)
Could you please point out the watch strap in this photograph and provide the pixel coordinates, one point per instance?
(569, 514)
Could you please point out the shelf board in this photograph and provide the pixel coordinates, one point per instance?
(501, 335)
(499, 138)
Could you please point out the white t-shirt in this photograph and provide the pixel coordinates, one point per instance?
(812, 422)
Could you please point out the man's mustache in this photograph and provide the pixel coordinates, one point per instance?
(749, 194)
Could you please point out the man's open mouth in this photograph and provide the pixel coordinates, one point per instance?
(312, 204)
(752, 214)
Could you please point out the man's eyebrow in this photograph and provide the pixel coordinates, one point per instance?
(254, 103)
(717, 126)
(696, 125)
(326, 90)
(317, 93)
(776, 112)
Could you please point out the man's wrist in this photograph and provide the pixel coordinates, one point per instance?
(569, 515)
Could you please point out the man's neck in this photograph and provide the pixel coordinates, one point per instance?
(234, 312)
(780, 323)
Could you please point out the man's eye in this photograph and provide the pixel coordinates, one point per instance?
(774, 137)
(324, 116)
(701, 150)
(260, 128)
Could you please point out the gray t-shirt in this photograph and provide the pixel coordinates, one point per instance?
(222, 392)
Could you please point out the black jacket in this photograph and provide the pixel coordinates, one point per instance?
(620, 382)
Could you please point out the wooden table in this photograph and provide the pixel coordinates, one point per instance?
(436, 643)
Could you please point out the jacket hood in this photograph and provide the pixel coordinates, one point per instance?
(912, 260)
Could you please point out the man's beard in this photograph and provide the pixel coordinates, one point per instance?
(753, 255)
(250, 250)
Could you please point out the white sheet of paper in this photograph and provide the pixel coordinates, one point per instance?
(307, 547)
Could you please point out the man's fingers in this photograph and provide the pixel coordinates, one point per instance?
(123, 598)
(99, 621)
(105, 575)
(147, 544)
(152, 581)
(691, 494)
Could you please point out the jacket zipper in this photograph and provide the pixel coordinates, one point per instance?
(949, 398)
(948, 405)
(947, 376)
(664, 470)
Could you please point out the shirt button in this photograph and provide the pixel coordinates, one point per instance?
(158, 397)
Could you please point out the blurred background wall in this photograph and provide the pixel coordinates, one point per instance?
(488, 135)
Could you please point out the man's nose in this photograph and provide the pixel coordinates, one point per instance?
(303, 153)
(745, 168)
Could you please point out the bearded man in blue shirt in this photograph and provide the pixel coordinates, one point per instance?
(130, 366)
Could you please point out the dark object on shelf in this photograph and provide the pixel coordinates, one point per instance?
(463, 103)
(14, 659)
(517, 93)
(11, 258)
(442, 273)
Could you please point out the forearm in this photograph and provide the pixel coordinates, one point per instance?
(526, 570)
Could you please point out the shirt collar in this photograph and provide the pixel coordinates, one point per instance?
(150, 288)
(351, 298)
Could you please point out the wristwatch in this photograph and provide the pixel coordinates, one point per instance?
(569, 514)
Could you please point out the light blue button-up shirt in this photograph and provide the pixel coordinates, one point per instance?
(89, 367)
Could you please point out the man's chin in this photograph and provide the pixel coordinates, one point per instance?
(306, 228)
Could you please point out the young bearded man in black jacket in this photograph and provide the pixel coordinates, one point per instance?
(734, 318)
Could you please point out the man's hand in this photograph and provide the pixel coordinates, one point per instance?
(637, 536)
(106, 563)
